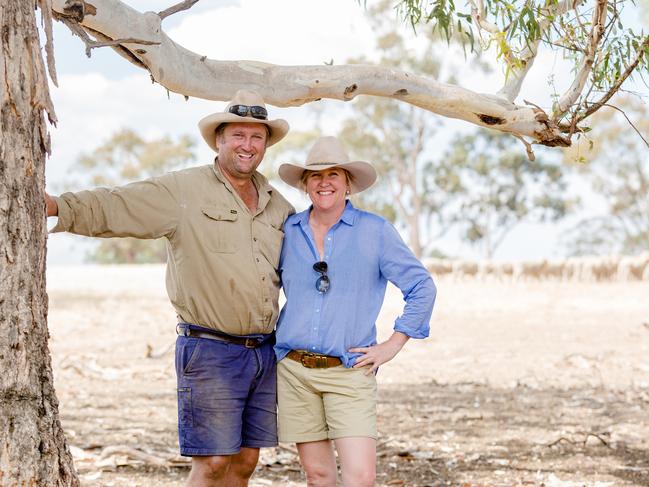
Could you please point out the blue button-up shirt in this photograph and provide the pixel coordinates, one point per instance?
(363, 251)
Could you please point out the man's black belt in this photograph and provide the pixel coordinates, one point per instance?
(195, 331)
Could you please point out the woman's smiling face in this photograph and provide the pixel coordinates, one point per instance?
(327, 189)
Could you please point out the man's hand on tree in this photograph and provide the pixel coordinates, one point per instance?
(51, 206)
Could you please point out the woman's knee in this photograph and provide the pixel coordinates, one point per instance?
(320, 476)
(360, 478)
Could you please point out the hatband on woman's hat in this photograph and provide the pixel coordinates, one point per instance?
(327, 153)
(246, 107)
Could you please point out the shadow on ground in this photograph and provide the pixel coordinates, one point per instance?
(431, 435)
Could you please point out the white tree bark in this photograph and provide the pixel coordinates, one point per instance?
(187, 73)
(514, 82)
(586, 67)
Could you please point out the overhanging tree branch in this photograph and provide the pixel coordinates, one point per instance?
(182, 71)
(480, 18)
(573, 93)
(90, 44)
(179, 7)
(514, 82)
(593, 107)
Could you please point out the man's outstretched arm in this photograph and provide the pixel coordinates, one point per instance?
(143, 209)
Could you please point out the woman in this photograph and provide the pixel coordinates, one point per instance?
(335, 264)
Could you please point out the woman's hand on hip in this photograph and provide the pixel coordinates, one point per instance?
(380, 353)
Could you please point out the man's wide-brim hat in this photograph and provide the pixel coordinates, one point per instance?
(326, 153)
(208, 125)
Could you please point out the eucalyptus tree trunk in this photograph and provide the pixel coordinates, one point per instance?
(33, 449)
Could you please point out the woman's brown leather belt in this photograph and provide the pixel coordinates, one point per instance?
(314, 360)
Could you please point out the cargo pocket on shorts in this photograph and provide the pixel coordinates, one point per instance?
(185, 417)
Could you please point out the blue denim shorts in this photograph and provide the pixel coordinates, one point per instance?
(227, 396)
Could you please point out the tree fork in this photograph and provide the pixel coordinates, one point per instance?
(33, 449)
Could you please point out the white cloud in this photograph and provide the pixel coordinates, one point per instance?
(287, 32)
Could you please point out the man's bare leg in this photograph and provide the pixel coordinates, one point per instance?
(224, 470)
(242, 467)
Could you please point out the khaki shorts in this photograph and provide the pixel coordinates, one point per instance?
(320, 404)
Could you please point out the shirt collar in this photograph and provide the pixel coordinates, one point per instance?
(348, 217)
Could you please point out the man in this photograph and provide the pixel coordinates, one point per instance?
(223, 224)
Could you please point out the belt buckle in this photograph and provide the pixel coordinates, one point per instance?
(321, 361)
(251, 343)
(304, 357)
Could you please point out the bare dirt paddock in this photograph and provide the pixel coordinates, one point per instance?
(528, 384)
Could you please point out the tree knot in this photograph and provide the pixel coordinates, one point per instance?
(349, 91)
(78, 9)
(490, 120)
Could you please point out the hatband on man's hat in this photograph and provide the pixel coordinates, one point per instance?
(252, 105)
(326, 153)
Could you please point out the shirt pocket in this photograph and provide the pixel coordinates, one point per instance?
(270, 243)
(220, 229)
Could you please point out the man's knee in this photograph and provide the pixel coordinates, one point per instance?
(244, 463)
(212, 467)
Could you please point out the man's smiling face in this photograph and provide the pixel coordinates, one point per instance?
(241, 148)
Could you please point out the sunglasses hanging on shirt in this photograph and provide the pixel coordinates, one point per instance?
(323, 283)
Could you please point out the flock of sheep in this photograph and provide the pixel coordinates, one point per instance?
(606, 268)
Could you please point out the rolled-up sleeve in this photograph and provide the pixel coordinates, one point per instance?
(400, 266)
(144, 209)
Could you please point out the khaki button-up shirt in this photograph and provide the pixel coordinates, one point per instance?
(222, 260)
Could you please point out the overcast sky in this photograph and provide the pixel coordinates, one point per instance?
(100, 95)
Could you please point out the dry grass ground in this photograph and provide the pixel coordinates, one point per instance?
(520, 384)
